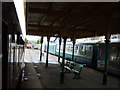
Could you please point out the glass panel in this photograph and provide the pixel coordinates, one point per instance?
(89, 52)
(82, 50)
(114, 61)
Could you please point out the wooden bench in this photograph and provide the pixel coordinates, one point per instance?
(74, 67)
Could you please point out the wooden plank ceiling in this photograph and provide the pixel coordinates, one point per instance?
(72, 19)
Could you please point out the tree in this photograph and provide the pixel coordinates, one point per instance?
(37, 42)
(26, 42)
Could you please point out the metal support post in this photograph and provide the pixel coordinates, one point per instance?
(63, 60)
(48, 39)
(41, 48)
(106, 60)
(73, 49)
(59, 49)
(18, 42)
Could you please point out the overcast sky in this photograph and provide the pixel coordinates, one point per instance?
(35, 38)
(30, 37)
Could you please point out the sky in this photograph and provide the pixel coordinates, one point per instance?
(31, 37)
(19, 5)
(35, 38)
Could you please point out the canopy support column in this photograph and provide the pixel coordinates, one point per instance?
(59, 49)
(107, 41)
(73, 49)
(106, 59)
(63, 61)
(48, 39)
(41, 48)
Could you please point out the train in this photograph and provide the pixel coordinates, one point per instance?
(92, 54)
(12, 49)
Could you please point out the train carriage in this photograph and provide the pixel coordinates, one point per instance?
(12, 48)
(113, 58)
(92, 54)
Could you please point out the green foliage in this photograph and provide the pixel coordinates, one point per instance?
(27, 42)
(37, 42)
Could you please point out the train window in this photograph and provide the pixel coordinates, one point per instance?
(68, 48)
(113, 53)
(85, 50)
(118, 54)
(61, 48)
(82, 50)
(76, 49)
(100, 52)
(71, 48)
(114, 57)
(90, 48)
(89, 52)
(57, 47)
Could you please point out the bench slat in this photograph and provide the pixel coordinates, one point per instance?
(73, 70)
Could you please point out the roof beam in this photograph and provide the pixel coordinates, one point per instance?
(60, 33)
(67, 9)
(104, 11)
(52, 12)
(44, 27)
(63, 13)
(43, 17)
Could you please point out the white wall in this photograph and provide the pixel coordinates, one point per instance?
(0, 45)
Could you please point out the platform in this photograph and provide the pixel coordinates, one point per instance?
(50, 77)
(31, 79)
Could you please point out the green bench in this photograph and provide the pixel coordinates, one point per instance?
(74, 67)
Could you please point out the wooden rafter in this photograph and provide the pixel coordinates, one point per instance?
(69, 21)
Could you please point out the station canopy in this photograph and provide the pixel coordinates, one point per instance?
(72, 19)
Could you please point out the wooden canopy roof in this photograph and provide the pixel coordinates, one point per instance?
(72, 19)
(9, 15)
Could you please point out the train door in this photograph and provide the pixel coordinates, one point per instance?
(114, 59)
(89, 54)
(94, 56)
(101, 56)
